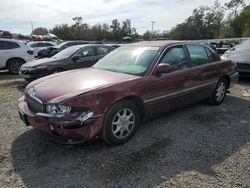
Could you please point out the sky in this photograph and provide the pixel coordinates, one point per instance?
(16, 15)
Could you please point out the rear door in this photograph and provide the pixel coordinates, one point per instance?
(171, 90)
(205, 70)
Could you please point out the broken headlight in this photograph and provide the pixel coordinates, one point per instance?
(58, 109)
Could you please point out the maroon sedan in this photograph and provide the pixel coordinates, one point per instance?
(131, 84)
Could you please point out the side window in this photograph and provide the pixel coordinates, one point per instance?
(11, 45)
(35, 45)
(210, 55)
(102, 50)
(2, 45)
(86, 52)
(47, 44)
(44, 44)
(175, 56)
(198, 55)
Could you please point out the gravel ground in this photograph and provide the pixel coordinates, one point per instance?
(199, 146)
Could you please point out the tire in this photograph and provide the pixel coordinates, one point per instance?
(220, 92)
(120, 122)
(14, 65)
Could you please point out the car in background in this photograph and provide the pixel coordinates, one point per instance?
(50, 51)
(39, 45)
(73, 57)
(14, 53)
(5, 34)
(114, 45)
(240, 54)
(133, 83)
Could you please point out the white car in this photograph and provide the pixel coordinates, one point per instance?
(14, 53)
(39, 45)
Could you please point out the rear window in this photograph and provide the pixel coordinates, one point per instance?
(198, 55)
(211, 56)
(7, 45)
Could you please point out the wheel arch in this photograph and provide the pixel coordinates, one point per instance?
(12, 58)
(137, 101)
(227, 78)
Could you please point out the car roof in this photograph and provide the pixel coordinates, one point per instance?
(93, 45)
(162, 43)
(12, 40)
(156, 43)
(35, 42)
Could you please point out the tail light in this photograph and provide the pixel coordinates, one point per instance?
(31, 52)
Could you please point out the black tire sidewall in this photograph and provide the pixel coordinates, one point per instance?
(107, 133)
(14, 61)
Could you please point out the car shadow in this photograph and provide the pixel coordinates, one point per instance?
(195, 138)
(6, 75)
(245, 81)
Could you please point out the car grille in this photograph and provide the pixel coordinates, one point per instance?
(243, 66)
(34, 104)
(24, 70)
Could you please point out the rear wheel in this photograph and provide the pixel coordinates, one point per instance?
(220, 92)
(14, 65)
(120, 122)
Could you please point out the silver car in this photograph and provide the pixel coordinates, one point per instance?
(240, 54)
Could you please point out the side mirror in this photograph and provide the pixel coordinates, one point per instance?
(75, 58)
(163, 68)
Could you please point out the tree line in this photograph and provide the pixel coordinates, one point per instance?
(230, 20)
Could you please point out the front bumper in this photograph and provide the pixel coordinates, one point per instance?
(28, 74)
(243, 68)
(53, 127)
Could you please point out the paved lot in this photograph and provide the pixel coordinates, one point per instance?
(199, 146)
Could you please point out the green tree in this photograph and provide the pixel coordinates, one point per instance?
(234, 6)
(116, 30)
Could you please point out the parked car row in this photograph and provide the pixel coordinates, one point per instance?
(50, 51)
(132, 83)
(5, 34)
(15, 53)
(80, 56)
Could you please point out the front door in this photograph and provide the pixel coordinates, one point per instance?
(171, 90)
(87, 58)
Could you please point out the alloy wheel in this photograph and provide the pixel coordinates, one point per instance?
(123, 123)
(220, 91)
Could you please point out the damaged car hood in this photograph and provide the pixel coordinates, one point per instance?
(57, 87)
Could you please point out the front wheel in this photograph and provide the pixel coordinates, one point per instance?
(220, 92)
(120, 122)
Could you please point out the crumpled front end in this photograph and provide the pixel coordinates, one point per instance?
(78, 125)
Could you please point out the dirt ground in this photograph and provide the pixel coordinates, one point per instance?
(199, 146)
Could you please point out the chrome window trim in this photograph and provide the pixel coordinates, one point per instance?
(163, 53)
(168, 95)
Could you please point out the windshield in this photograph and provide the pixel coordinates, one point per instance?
(131, 60)
(243, 46)
(61, 44)
(66, 53)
